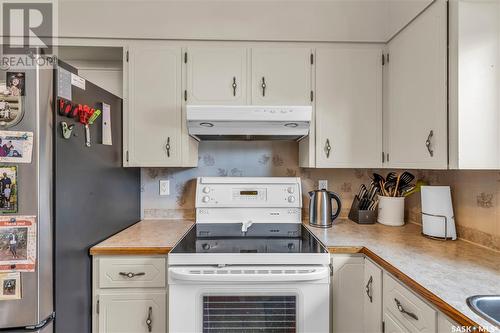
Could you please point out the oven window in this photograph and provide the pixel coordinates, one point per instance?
(270, 314)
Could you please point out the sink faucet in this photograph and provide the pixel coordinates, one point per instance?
(245, 226)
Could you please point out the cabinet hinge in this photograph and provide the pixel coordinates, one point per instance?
(383, 157)
(185, 95)
(312, 95)
(312, 59)
(185, 57)
(126, 155)
(383, 59)
(97, 307)
(383, 326)
(126, 56)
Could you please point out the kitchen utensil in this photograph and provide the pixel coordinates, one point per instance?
(438, 220)
(397, 186)
(321, 209)
(416, 188)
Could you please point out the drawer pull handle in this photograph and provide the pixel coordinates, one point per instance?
(263, 85)
(131, 275)
(149, 321)
(328, 148)
(369, 289)
(402, 310)
(167, 147)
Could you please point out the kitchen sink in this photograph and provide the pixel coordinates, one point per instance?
(486, 306)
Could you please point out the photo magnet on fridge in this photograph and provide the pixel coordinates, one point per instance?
(16, 83)
(17, 243)
(16, 146)
(10, 286)
(8, 189)
(11, 108)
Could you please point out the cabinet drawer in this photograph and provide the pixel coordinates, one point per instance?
(408, 308)
(134, 272)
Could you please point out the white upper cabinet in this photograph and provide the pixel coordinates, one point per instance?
(154, 111)
(216, 75)
(474, 84)
(415, 117)
(349, 107)
(281, 76)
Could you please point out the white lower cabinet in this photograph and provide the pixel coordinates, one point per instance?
(133, 312)
(366, 298)
(129, 294)
(347, 293)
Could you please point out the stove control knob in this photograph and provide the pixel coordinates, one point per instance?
(205, 247)
(291, 199)
(206, 189)
(291, 246)
(290, 190)
(205, 199)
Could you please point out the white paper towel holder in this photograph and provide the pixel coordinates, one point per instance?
(445, 219)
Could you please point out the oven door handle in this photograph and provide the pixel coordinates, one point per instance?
(248, 275)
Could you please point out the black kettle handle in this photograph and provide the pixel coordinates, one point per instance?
(339, 205)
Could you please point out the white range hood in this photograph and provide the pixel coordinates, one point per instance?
(248, 122)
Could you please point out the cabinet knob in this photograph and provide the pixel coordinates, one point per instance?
(149, 320)
(428, 143)
(167, 147)
(328, 148)
(369, 289)
(234, 85)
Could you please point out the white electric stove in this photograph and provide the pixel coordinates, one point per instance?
(248, 264)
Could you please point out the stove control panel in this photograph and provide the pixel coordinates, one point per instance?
(248, 192)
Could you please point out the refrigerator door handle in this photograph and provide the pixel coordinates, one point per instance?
(31, 328)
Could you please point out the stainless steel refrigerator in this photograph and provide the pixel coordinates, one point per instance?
(80, 196)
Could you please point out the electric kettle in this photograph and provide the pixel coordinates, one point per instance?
(320, 208)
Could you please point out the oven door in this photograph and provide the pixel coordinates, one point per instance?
(249, 299)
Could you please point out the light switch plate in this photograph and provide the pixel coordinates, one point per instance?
(323, 184)
(164, 187)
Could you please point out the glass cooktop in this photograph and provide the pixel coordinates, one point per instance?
(264, 238)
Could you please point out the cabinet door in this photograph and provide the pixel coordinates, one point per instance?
(391, 325)
(416, 119)
(281, 76)
(372, 305)
(217, 75)
(129, 313)
(349, 107)
(347, 294)
(154, 111)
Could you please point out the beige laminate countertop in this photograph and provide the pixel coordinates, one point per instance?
(144, 237)
(443, 272)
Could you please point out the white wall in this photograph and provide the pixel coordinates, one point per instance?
(295, 20)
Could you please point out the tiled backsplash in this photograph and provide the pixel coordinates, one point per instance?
(475, 193)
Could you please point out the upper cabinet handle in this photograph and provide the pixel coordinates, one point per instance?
(234, 86)
(149, 320)
(263, 85)
(428, 143)
(403, 311)
(167, 147)
(328, 148)
(369, 289)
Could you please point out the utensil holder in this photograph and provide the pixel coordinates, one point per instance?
(391, 211)
(361, 216)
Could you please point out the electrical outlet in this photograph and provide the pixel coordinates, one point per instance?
(164, 187)
(323, 184)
